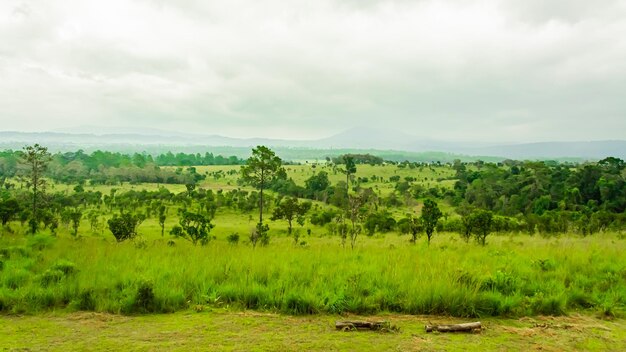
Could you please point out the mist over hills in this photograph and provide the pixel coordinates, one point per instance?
(374, 141)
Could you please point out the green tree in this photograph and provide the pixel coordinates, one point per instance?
(415, 227)
(430, 216)
(350, 169)
(290, 210)
(193, 227)
(355, 215)
(124, 226)
(481, 224)
(75, 216)
(162, 217)
(36, 159)
(317, 184)
(260, 171)
(9, 208)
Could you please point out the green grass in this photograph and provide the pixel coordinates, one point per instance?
(512, 276)
(224, 330)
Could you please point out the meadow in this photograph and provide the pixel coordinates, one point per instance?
(514, 275)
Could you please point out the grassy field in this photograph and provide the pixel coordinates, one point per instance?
(223, 330)
(286, 296)
(513, 276)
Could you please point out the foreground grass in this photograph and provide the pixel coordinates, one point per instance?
(513, 276)
(222, 330)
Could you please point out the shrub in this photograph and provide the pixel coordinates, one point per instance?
(66, 267)
(50, 277)
(145, 298)
(124, 226)
(233, 238)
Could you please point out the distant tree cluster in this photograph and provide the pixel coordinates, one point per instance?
(102, 167)
(359, 159)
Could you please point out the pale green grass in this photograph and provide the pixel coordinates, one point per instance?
(224, 330)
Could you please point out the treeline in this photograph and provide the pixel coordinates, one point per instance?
(102, 167)
(550, 198)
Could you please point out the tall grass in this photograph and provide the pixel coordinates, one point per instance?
(512, 276)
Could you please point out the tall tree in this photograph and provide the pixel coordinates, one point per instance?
(162, 217)
(260, 170)
(430, 217)
(349, 170)
(36, 159)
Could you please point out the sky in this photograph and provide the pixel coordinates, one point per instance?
(473, 70)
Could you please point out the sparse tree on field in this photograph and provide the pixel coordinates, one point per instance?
(36, 159)
(94, 220)
(290, 210)
(416, 226)
(430, 216)
(193, 227)
(355, 215)
(260, 170)
(162, 217)
(9, 208)
(75, 217)
(350, 169)
(481, 224)
(124, 226)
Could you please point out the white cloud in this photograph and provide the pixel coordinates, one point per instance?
(490, 69)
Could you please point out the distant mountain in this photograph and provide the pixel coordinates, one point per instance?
(356, 139)
(585, 150)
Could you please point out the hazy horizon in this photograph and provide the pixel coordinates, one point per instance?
(489, 71)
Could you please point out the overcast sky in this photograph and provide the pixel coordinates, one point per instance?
(484, 70)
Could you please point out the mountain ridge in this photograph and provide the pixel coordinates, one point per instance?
(356, 138)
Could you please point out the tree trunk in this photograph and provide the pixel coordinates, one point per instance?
(466, 327)
(361, 325)
(261, 199)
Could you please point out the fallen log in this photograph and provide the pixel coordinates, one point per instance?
(465, 327)
(361, 325)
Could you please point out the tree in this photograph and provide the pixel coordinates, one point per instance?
(349, 170)
(75, 216)
(415, 226)
(260, 171)
(36, 159)
(481, 221)
(430, 217)
(316, 184)
(193, 227)
(290, 209)
(162, 217)
(9, 208)
(355, 215)
(124, 226)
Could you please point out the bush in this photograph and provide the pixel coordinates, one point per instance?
(50, 277)
(16, 279)
(66, 267)
(233, 238)
(124, 226)
(40, 242)
(86, 300)
(145, 298)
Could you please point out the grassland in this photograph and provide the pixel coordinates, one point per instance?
(224, 330)
(513, 276)
(237, 297)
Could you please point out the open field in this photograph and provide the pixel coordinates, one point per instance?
(541, 258)
(223, 330)
(515, 275)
